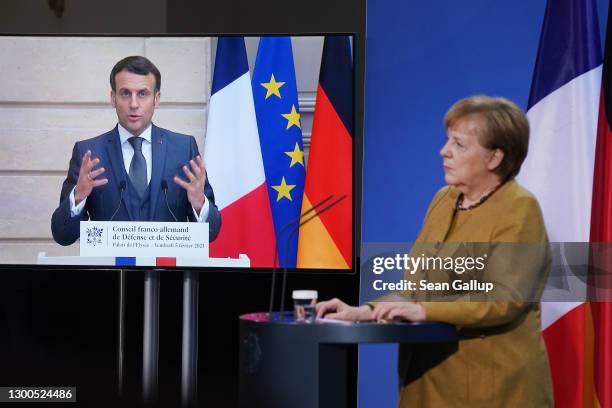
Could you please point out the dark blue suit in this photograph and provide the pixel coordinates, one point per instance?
(170, 152)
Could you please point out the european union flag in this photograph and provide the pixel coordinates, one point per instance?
(280, 136)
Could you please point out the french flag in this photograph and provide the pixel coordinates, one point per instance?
(566, 170)
(234, 161)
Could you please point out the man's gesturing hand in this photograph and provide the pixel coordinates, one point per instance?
(196, 173)
(87, 178)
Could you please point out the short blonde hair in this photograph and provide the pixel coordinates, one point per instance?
(504, 126)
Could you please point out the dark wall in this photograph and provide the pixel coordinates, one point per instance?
(271, 16)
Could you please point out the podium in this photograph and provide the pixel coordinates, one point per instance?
(284, 363)
(153, 267)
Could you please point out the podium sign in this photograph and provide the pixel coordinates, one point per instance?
(128, 238)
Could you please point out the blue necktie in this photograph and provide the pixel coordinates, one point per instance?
(138, 166)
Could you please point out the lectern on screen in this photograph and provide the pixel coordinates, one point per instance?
(254, 134)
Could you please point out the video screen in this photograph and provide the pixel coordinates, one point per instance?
(186, 152)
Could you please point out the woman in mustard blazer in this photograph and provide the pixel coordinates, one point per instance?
(499, 359)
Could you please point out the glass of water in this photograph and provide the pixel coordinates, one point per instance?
(304, 302)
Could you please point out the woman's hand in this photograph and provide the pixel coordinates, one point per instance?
(410, 311)
(337, 309)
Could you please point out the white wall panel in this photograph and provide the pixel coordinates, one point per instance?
(60, 69)
(184, 64)
(55, 91)
(27, 213)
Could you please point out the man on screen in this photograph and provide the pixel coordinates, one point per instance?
(129, 172)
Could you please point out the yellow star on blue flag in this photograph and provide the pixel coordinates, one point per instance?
(297, 156)
(284, 190)
(293, 118)
(272, 87)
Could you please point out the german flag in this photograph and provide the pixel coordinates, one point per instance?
(326, 241)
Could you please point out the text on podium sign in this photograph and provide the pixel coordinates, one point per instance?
(130, 238)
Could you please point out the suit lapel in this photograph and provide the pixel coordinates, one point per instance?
(159, 145)
(113, 149)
